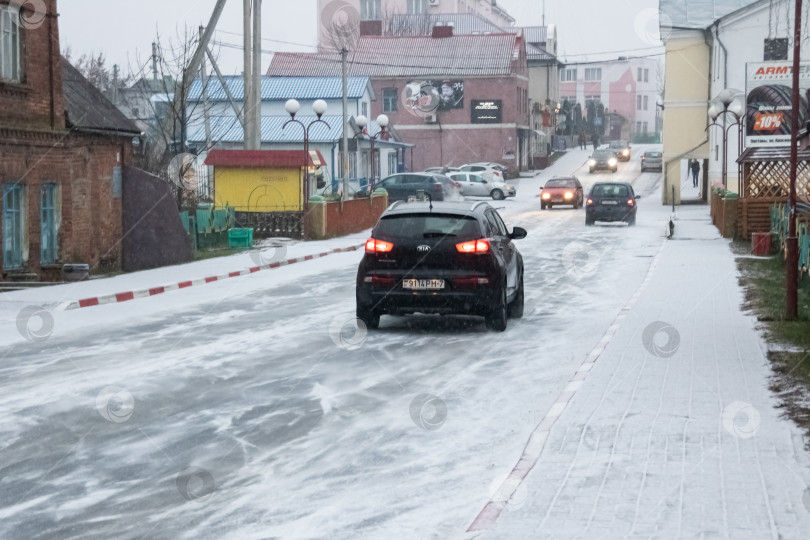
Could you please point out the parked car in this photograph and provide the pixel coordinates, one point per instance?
(602, 160)
(447, 258)
(652, 160)
(611, 201)
(562, 190)
(404, 185)
(442, 170)
(621, 149)
(489, 171)
(474, 185)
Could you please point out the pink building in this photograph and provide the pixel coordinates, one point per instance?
(351, 13)
(627, 88)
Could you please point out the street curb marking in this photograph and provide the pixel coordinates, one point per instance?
(146, 293)
(537, 440)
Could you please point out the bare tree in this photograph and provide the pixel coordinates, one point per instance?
(94, 68)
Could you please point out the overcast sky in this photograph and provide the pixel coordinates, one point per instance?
(124, 31)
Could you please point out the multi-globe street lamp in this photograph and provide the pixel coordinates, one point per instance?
(319, 108)
(730, 106)
(362, 123)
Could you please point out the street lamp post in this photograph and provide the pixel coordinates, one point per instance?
(730, 107)
(319, 108)
(362, 123)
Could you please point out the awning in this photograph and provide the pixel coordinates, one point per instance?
(254, 159)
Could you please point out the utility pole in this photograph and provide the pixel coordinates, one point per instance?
(256, 97)
(343, 57)
(115, 85)
(247, 72)
(792, 244)
(206, 103)
(154, 61)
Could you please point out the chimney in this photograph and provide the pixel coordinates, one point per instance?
(371, 28)
(442, 31)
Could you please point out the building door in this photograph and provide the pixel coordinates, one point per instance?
(12, 227)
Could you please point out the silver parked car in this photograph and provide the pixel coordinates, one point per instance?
(474, 185)
(652, 160)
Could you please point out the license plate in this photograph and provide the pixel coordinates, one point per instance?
(609, 202)
(422, 284)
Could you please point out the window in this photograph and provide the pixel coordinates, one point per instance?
(592, 99)
(370, 10)
(10, 64)
(638, 127)
(776, 49)
(570, 99)
(645, 127)
(568, 74)
(13, 226)
(389, 100)
(638, 77)
(364, 108)
(416, 7)
(49, 224)
(646, 75)
(638, 103)
(646, 98)
(593, 74)
(392, 163)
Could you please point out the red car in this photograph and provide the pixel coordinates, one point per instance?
(562, 190)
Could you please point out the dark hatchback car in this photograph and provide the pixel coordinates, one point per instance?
(621, 149)
(402, 186)
(611, 201)
(602, 160)
(446, 258)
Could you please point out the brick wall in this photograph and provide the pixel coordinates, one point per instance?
(82, 167)
(36, 103)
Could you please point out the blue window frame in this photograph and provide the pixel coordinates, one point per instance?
(49, 225)
(12, 226)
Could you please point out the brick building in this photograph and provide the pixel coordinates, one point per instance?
(63, 149)
(456, 98)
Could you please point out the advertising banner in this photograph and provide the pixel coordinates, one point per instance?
(768, 102)
(487, 111)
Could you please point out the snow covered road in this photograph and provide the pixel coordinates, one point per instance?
(253, 408)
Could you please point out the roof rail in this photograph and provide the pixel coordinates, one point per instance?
(476, 205)
(394, 204)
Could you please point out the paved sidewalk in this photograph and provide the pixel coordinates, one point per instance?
(674, 431)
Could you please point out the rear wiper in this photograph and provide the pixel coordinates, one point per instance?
(437, 234)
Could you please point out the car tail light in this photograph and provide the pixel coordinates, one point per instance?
(473, 246)
(590, 202)
(457, 185)
(469, 282)
(378, 246)
(383, 282)
(437, 187)
(630, 202)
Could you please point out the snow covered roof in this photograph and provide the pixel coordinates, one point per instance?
(282, 88)
(227, 129)
(698, 14)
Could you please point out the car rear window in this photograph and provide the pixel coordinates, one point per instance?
(560, 183)
(416, 226)
(653, 154)
(610, 190)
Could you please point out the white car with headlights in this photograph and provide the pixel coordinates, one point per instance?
(603, 160)
(474, 185)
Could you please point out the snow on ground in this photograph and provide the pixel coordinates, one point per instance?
(251, 408)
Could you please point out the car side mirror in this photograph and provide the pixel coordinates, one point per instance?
(638, 196)
(518, 233)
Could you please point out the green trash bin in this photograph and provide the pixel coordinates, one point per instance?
(240, 238)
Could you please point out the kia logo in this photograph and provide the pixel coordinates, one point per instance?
(423, 249)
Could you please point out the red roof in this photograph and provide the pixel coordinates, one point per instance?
(263, 158)
(409, 56)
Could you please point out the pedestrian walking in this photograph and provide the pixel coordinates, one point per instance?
(583, 141)
(595, 140)
(694, 166)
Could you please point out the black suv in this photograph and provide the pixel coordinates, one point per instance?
(621, 149)
(404, 185)
(448, 258)
(611, 201)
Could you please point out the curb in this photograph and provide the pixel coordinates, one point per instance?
(146, 293)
